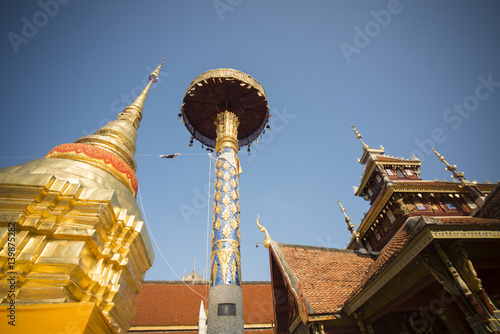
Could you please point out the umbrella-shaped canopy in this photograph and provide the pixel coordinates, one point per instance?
(225, 89)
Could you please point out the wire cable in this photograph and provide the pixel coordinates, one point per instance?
(158, 247)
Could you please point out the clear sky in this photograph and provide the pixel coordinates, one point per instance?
(410, 75)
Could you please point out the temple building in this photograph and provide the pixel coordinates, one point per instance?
(74, 248)
(425, 259)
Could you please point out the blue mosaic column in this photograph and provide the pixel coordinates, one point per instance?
(225, 307)
(226, 220)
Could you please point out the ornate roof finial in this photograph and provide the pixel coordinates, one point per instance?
(194, 266)
(471, 188)
(359, 137)
(350, 226)
(136, 107)
(452, 168)
(267, 239)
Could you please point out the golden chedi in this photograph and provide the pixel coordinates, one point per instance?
(73, 245)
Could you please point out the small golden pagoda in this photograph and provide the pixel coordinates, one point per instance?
(73, 245)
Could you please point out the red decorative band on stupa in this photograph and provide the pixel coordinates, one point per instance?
(98, 157)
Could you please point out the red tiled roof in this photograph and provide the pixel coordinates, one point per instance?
(175, 304)
(388, 253)
(330, 278)
(327, 276)
(168, 304)
(491, 207)
(467, 220)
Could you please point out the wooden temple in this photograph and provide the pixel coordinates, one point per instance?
(425, 259)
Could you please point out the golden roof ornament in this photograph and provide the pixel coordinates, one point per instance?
(350, 226)
(452, 168)
(267, 239)
(358, 136)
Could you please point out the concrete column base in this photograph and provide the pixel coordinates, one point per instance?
(227, 324)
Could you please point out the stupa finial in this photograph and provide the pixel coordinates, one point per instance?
(134, 111)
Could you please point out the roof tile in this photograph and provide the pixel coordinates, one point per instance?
(327, 276)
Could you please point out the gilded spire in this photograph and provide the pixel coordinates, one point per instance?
(359, 137)
(452, 168)
(368, 151)
(267, 239)
(350, 226)
(136, 107)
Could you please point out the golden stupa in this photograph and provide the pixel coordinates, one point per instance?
(73, 245)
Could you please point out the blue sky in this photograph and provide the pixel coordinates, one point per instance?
(410, 75)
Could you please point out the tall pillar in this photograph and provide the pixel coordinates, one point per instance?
(225, 109)
(225, 305)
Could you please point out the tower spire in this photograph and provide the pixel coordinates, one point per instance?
(358, 136)
(452, 168)
(136, 107)
(474, 191)
(367, 150)
(350, 227)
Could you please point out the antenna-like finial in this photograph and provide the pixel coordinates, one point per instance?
(359, 137)
(350, 226)
(452, 168)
